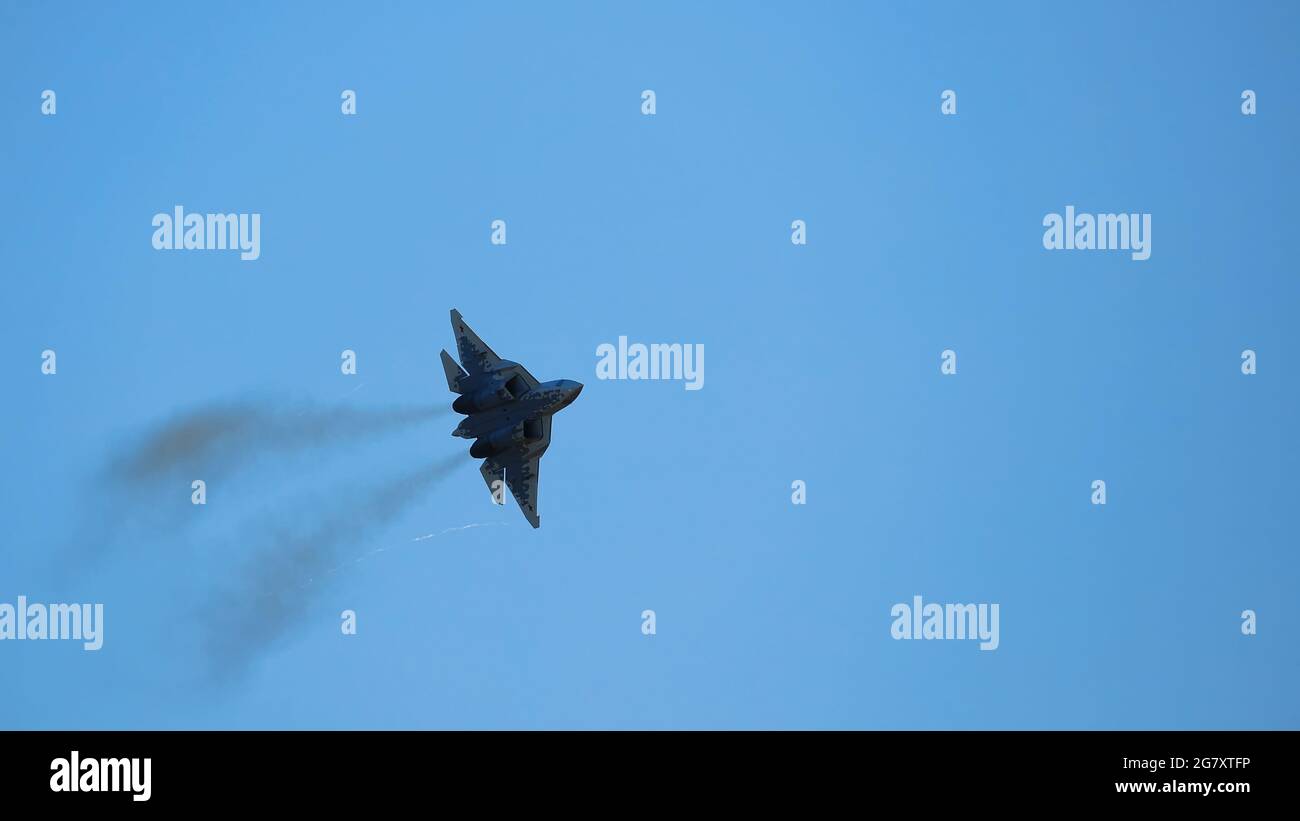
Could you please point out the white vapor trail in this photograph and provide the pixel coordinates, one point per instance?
(388, 548)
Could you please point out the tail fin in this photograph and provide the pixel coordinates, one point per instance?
(454, 372)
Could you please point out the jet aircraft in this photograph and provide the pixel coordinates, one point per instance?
(507, 414)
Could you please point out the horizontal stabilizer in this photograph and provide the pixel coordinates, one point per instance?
(454, 372)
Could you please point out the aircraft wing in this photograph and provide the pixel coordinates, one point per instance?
(520, 468)
(475, 356)
(520, 476)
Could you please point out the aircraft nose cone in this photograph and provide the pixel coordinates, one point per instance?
(571, 391)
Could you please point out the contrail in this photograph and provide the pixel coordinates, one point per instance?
(388, 548)
(268, 597)
(469, 526)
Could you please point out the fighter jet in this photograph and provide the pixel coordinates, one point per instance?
(507, 414)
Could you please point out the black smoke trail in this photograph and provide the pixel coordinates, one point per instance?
(293, 552)
(141, 494)
(216, 438)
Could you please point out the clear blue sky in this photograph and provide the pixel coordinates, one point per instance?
(822, 361)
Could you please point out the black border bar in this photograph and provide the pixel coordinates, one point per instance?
(331, 769)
